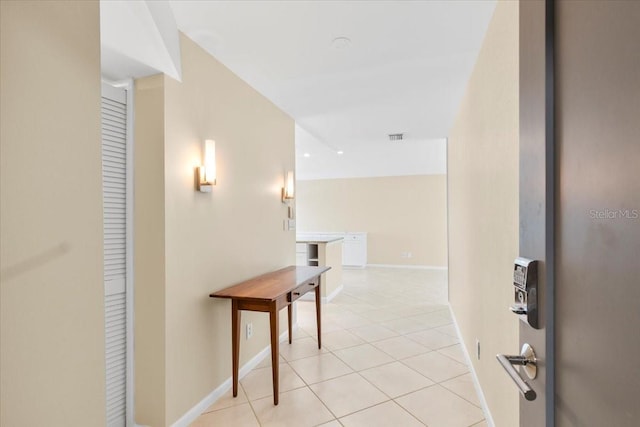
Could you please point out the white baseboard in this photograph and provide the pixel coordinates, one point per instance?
(333, 294)
(192, 414)
(474, 376)
(414, 267)
(310, 296)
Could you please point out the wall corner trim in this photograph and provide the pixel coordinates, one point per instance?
(192, 414)
(474, 376)
(324, 300)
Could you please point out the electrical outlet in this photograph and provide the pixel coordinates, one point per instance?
(409, 255)
(477, 348)
(249, 330)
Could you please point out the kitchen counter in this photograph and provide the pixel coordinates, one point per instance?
(322, 251)
(320, 240)
(354, 248)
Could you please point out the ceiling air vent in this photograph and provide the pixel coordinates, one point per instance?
(396, 136)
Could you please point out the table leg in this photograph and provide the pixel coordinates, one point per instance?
(235, 343)
(275, 351)
(290, 318)
(318, 321)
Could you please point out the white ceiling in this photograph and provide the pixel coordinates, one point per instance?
(405, 70)
(138, 38)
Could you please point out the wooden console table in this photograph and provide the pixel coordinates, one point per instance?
(270, 293)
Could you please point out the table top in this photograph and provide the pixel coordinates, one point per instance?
(320, 240)
(270, 286)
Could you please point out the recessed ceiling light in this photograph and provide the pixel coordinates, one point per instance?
(307, 155)
(340, 152)
(341, 42)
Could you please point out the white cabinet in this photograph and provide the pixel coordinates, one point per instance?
(355, 249)
(302, 254)
(301, 259)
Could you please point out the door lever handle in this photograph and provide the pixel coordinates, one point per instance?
(518, 309)
(527, 359)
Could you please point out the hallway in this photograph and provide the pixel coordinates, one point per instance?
(390, 356)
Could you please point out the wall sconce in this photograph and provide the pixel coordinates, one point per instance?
(207, 171)
(288, 189)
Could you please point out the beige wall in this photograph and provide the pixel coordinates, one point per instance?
(206, 241)
(483, 210)
(52, 363)
(149, 252)
(401, 214)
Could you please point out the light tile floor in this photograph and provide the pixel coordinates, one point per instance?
(390, 357)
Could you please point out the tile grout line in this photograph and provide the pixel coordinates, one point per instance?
(457, 394)
(377, 291)
(253, 410)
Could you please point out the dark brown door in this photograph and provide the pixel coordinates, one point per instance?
(580, 208)
(597, 218)
(536, 196)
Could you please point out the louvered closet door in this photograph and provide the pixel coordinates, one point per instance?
(114, 179)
